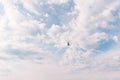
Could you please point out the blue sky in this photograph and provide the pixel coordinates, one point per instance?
(34, 36)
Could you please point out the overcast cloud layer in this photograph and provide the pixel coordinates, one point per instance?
(34, 36)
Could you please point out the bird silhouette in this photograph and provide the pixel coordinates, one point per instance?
(68, 44)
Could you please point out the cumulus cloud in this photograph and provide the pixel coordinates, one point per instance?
(34, 36)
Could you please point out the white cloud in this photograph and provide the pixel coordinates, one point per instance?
(57, 2)
(32, 50)
(116, 39)
(85, 36)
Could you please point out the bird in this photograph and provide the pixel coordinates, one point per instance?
(68, 44)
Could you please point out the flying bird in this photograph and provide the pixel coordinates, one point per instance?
(68, 44)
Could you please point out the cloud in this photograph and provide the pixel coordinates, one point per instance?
(57, 2)
(34, 36)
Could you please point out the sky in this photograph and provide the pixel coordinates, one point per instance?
(34, 36)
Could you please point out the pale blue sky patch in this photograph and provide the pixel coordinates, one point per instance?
(105, 45)
(36, 32)
(57, 14)
(1, 9)
(111, 31)
(26, 12)
(19, 52)
(116, 20)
